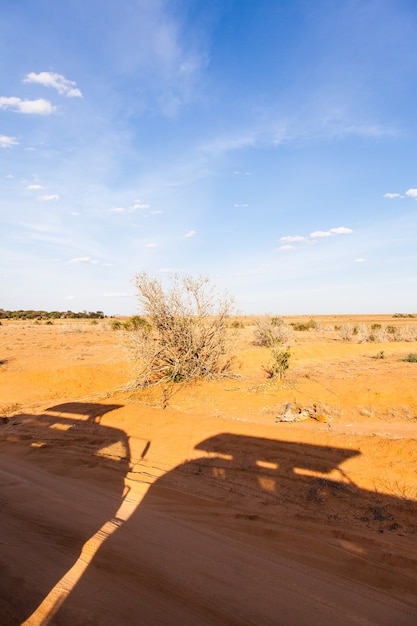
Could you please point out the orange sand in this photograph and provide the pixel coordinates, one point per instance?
(115, 511)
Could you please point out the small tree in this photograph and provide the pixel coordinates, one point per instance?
(186, 336)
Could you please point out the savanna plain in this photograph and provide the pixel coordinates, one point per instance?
(244, 500)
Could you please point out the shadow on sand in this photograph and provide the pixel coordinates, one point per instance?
(256, 531)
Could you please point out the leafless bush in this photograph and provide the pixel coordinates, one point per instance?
(187, 335)
(346, 332)
(272, 331)
(363, 333)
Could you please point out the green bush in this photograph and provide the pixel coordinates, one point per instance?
(411, 357)
(311, 324)
(279, 362)
(135, 322)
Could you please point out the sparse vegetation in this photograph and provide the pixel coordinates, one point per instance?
(380, 355)
(133, 323)
(411, 357)
(303, 326)
(271, 331)
(274, 333)
(185, 333)
(279, 362)
(346, 332)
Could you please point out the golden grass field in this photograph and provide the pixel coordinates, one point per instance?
(210, 511)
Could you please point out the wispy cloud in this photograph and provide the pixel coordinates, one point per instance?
(8, 142)
(229, 143)
(360, 260)
(84, 259)
(151, 245)
(34, 187)
(137, 206)
(411, 193)
(29, 107)
(391, 196)
(48, 197)
(288, 240)
(340, 230)
(56, 81)
(191, 233)
(293, 239)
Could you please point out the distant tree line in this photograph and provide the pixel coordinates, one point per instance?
(47, 315)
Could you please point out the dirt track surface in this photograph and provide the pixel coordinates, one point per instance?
(114, 511)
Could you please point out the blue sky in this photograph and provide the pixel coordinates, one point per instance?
(268, 144)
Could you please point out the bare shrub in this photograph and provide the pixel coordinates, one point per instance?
(346, 332)
(186, 335)
(404, 333)
(363, 333)
(271, 331)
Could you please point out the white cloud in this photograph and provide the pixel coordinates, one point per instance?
(48, 198)
(151, 245)
(30, 107)
(286, 247)
(134, 207)
(320, 233)
(56, 81)
(240, 205)
(390, 196)
(35, 187)
(8, 142)
(84, 259)
(139, 205)
(341, 230)
(292, 239)
(360, 260)
(411, 193)
(191, 233)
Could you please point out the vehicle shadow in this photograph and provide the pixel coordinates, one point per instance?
(254, 531)
(215, 540)
(42, 530)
